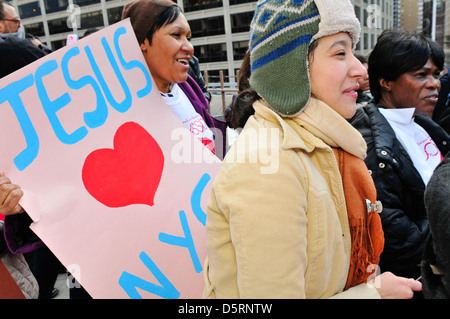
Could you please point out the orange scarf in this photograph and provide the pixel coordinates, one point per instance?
(365, 223)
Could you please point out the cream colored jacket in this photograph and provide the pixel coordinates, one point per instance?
(277, 223)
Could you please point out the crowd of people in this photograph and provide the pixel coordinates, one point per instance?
(357, 205)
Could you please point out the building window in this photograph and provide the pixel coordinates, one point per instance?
(114, 15)
(58, 26)
(233, 2)
(91, 20)
(58, 44)
(36, 29)
(358, 12)
(29, 10)
(211, 52)
(85, 2)
(201, 5)
(241, 22)
(56, 5)
(207, 26)
(239, 49)
(214, 77)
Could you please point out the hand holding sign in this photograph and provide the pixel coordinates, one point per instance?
(128, 174)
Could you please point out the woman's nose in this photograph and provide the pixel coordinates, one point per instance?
(357, 69)
(434, 82)
(187, 46)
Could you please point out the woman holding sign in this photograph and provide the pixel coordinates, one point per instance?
(164, 37)
(309, 229)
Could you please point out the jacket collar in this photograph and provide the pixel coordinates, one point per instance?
(384, 137)
(317, 126)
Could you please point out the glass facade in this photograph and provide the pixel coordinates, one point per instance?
(55, 5)
(220, 28)
(207, 26)
(29, 10)
(190, 5)
(211, 52)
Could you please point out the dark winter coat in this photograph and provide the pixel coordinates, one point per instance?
(436, 259)
(400, 188)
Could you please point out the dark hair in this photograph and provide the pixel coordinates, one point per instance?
(398, 52)
(361, 58)
(241, 107)
(169, 15)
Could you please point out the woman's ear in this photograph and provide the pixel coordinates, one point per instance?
(144, 45)
(385, 84)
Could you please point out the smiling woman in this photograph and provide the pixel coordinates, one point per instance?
(335, 79)
(404, 144)
(164, 37)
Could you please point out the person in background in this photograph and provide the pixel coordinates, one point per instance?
(404, 144)
(293, 211)
(364, 88)
(195, 73)
(89, 32)
(37, 42)
(9, 22)
(164, 37)
(435, 265)
(444, 122)
(442, 103)
(19, 53)
(236, 114)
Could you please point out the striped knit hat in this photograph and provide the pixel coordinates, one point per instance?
(281, 32)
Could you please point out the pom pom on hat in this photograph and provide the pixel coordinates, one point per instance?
(143, 15)
(281, 32)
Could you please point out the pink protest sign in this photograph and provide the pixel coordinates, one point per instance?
(115, 185)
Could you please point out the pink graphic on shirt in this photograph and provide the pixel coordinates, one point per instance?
(430, 148)
(197, 127)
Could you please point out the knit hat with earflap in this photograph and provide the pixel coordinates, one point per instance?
(281, 32)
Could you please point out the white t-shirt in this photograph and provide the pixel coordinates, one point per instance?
(180, 105)
(423, 151)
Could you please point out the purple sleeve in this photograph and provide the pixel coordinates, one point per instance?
(200, 104)
(18, 235)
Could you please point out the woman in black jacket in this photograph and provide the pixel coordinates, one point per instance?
(404, 144)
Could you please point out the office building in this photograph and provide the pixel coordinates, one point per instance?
(220, 28)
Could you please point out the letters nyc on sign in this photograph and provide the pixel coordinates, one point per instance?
(87, 136)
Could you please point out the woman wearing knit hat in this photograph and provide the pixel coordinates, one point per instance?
(310, 227)
(164, 37)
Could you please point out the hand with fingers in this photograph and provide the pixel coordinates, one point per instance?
(390, 286)
(10, 194)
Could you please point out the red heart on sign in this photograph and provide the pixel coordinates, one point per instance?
(128, 174)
